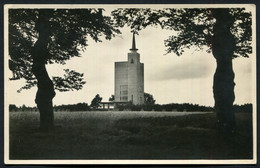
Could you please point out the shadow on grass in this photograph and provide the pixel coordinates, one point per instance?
(80, 137)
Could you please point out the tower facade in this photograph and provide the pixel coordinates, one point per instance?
(129, 78)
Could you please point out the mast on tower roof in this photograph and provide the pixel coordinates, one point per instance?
(133, 44)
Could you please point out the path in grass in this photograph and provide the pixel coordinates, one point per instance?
(128, 135)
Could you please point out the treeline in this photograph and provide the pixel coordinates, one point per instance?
(13, 108)
(189, 107)
(166, 107)
(156, 107)
(69, 107)
(73, 107)
(244, 108)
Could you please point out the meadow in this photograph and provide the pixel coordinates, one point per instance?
(128, 135)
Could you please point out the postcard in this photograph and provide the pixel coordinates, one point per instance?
(130, 84)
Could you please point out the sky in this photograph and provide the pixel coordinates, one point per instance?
(169, 78)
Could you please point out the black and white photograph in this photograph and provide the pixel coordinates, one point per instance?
(130, 84)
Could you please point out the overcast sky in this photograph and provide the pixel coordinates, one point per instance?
(169, 78)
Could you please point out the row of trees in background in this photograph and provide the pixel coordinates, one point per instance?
(155, 107)
(68, 107)
(243, 108)
(149, 105)
(167, 107)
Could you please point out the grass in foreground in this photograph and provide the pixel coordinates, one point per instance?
(80, 136)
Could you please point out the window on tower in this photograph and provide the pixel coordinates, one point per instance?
(124, 98)
(132, 61)
(123, 92)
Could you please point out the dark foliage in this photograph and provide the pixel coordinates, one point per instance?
(166, 107)
(69, 29)
(126, 106)
(112, 98)
(148, 99)
(72, 107)
(95, 103)
(69, 107)
(244, 108)
(189, 107)
(12, 107)
(194, 26)
(24, 108)
(186, 107)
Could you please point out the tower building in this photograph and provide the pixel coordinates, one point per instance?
(129, 78)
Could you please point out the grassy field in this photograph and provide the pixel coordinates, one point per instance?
(128, 135)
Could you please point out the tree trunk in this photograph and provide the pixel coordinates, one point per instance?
(223, 45)
(45, 92)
